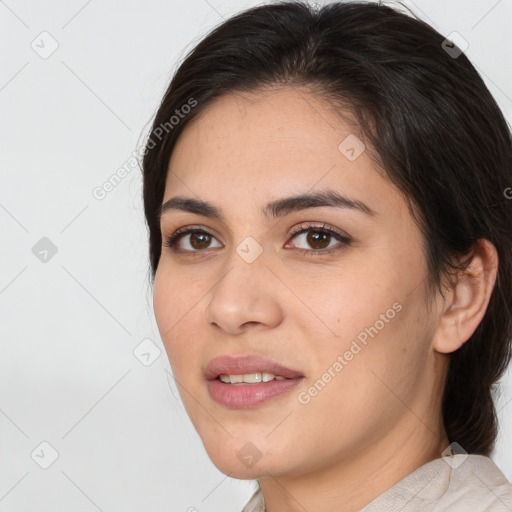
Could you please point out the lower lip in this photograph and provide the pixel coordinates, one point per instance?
(241, 396)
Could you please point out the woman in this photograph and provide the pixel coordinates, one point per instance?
(330, 242)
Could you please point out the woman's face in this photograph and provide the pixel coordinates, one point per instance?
(346, 311)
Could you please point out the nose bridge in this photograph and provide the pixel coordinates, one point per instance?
(246, 273)
(244, 293)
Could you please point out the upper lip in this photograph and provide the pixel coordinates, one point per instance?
(233, 365)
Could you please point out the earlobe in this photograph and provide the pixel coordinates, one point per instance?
(468, 299)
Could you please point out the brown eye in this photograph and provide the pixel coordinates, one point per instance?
(200, 240)
(190, 240)
(319, 239)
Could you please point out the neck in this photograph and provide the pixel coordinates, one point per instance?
(349, 485)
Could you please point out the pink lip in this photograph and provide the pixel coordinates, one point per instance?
(248, 395)
(228, 365)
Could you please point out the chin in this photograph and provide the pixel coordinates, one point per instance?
(240, 459)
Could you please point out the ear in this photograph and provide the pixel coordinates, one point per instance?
(466, 302)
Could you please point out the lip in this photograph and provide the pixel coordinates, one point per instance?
(229, 365)
(242, 396)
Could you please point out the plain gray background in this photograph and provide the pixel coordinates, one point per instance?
(83, 370)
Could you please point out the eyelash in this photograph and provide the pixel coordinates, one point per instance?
(302, 228)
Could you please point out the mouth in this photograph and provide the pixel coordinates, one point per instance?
(249, 378)
(247, 381)
(248, 369)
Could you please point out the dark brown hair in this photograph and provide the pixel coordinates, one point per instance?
(424, 111)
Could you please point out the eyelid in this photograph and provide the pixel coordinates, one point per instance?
(311, 225)
(172, 241)
(190, 227)
(341, 236)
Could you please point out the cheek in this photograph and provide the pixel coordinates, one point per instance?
(163, 303)
(347, 301)
(178, 314)
(170, 310)
(370, 319)
(173, 299)
(358, 389)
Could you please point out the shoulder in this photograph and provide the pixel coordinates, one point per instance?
(456, 484)
(478, 483)
(256, 503)
(451, 484)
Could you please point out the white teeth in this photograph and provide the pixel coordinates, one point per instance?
(250, 378)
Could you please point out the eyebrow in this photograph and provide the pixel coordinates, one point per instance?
(274, 209)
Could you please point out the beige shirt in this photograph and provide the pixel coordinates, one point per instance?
(459, 483)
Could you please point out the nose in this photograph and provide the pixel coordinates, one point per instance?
(244, 298)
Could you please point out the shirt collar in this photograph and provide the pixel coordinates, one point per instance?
(461, 479)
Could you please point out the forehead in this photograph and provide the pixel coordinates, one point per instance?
(270, 143)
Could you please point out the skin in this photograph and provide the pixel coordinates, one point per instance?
(379, 418)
